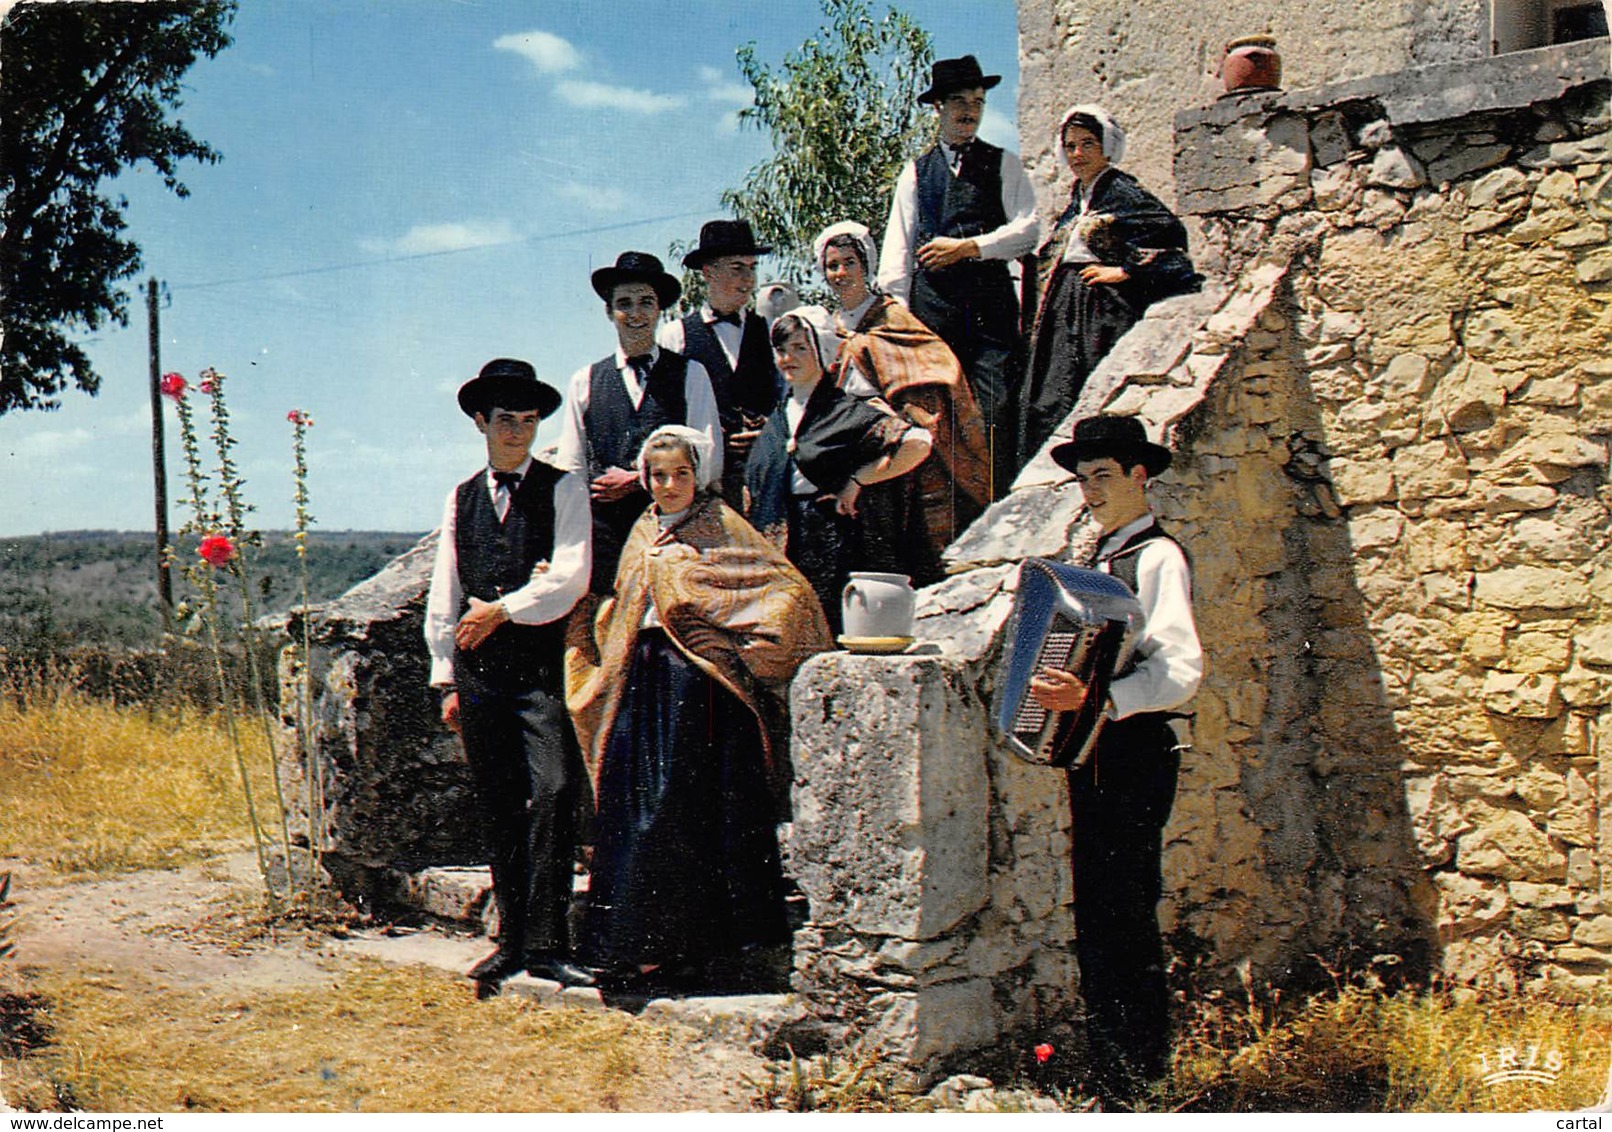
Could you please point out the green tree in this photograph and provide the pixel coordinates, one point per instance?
(86, 91)
(843, 115)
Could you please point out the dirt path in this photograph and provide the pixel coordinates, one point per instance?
(182, 928)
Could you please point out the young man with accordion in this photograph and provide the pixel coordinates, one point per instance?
(1120, 795)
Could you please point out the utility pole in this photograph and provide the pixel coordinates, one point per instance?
(159, 464)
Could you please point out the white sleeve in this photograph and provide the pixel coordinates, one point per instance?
(895, 257)
(702, 413)
(1171, 664)
(551, 593)
(571, 452)
(854, 382)
(442, 603)
(670, 336)
(1022, 232)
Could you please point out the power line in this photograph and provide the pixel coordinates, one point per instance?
(355, 264)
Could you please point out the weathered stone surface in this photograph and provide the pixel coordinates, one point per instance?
(891, 741)
(1507, 845)
(1532, 587)
(1594, 646)
(1528, 696)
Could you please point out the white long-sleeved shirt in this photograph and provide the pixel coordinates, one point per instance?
(1019, 236)
(548, 596)
(572, 450)
(1170, 659)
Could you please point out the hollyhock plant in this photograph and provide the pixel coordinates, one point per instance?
(173, 386)
(217, 550)
(1043, 1053)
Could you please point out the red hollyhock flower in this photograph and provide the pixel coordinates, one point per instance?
(1043, 1053)
(216, 550)
(298, 417)
(172, 386)
(205, 385)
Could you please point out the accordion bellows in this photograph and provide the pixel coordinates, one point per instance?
(1082, 621)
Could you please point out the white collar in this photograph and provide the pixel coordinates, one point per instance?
(621, 357)
(848, 319)
(1117, 539)
(525, 466)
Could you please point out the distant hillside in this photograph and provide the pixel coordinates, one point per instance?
(100, 587)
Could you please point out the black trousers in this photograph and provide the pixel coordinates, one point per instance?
(528, 771)
(972, 306)
(1119, 800)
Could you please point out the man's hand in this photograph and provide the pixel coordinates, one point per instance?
(740, 442)
(478, 624)
(1057, 690)
(450, 712)
(613, 484)
(1097, 273)
(845, 500)
(943, 251)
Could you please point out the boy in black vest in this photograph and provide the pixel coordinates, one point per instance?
(613, 405)
(1120, 797)
(960, 213)
(511, 562)
(730, 342)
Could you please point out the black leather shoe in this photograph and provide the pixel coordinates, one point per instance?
(497, 967)
(560, 970)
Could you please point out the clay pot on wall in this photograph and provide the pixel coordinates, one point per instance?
(1251, 64)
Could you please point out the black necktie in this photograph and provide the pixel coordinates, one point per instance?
(510, 480)
(960, 152)
(640, 365)
(732, 318)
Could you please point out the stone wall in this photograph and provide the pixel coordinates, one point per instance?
(1390, 415)
(1145, 61)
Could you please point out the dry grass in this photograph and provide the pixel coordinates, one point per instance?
(1359, 1049)
(378, 1039)
(90, 788)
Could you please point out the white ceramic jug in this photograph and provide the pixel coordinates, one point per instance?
(878, 606)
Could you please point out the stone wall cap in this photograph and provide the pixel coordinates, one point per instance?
(1434, 93)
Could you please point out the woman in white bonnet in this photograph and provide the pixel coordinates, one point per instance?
(680, 713)
(1115, 250)
(887, 351)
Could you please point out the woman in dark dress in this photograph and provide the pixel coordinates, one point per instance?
(680, 715)
(815, 456)
(1115, 250)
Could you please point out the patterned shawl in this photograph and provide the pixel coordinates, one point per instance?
(919, 375)
(727, 599)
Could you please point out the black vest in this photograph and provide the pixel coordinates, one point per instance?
(962, 206)
(495, 558)
(753, 386)
(615, 432)
(955, 301)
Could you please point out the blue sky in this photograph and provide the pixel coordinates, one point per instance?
(408, 189)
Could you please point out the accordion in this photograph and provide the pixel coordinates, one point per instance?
(1082, 621)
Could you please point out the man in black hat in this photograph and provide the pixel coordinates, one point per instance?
(614, 404)
(1120, 797)
(512, 560)
(960, 213)
(730, 342)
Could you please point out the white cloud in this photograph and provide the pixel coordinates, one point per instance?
(719, 88)
(47, 446)
(423, 239)
(550, 54)
(592, 95)
(998, 129)
(596, 198)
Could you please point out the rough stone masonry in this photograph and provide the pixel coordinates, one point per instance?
(1391, 413)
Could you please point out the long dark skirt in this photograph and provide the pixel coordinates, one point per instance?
(685, 858)
(1079, 325)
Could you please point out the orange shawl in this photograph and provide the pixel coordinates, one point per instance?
(919, 375)
(728, 600)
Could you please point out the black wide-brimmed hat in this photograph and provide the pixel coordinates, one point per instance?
(638, 267)
(946, 76)
(723, 237)
(507, 383)
(1122, 438)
